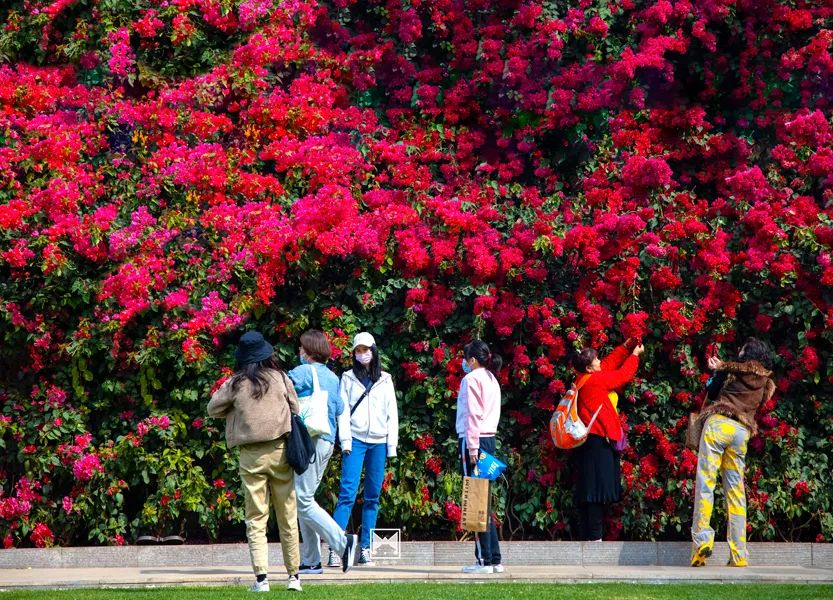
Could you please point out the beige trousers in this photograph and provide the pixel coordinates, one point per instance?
(268, 479)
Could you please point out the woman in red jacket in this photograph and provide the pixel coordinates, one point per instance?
(597, 463)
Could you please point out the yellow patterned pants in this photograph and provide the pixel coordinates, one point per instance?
(722, 447)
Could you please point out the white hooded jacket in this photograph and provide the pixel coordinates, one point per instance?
(376, 420)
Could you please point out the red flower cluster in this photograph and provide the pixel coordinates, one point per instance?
(423, 442)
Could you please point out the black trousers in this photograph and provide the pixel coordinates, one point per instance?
(598, 484)
(590, 520)
(489, 551)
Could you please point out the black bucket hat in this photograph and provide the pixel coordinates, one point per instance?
(252, 349)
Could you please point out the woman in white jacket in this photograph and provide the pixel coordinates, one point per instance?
(368, 430)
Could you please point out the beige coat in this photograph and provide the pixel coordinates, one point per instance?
(250, 420)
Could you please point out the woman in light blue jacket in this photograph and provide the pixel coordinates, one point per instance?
(368, 432)
(315, 523)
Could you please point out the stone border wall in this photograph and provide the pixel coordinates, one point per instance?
(426, 554)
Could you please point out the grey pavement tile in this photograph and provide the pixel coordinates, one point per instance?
(619, 553)
(453, 553)
(776, 553)
(674, 554)
(183, 556)
(541, 553)
(36, 558)
(822, 556)
(101, 556)
(411, 553)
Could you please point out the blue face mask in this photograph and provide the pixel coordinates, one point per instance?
(303, 359)
(466, 367)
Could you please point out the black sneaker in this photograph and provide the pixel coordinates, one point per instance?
(314, 570)
(349, 556)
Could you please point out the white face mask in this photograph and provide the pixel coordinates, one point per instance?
(364, 357)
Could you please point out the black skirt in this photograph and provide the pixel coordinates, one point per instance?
(597, 471)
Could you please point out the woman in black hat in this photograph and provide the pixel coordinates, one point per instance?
(258, 402)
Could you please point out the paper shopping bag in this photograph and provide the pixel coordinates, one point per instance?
(475, 503)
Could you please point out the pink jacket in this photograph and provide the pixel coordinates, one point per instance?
(478, 409)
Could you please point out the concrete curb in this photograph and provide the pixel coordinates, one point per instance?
(586, 554)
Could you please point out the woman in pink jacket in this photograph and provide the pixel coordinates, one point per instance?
(478, 413)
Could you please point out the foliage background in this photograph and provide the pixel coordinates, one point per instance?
(541, 174)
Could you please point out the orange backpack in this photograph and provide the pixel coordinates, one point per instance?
(566, 427)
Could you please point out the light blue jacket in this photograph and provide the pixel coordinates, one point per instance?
(301, 377)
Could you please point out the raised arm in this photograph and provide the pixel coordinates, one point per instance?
(615, 359)
(222, 400)
(619, 377)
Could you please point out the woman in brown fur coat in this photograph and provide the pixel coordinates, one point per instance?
(729, 422)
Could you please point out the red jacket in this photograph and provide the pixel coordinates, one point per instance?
(618, 368)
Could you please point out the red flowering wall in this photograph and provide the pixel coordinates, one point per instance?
(541, 174)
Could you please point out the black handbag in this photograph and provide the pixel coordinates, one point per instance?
(300, 448)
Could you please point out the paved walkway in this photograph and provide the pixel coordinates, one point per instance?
(238, 575)
(565, 562)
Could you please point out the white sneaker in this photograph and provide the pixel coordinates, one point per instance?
(479, 569)
(497, 568)
(333, 560)
(260, 586)
(294, 583)
(365, 558)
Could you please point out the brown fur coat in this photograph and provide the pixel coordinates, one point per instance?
(747, 386)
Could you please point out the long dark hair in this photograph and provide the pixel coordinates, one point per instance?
(755, 349)
(255, 373)
(373, 370)
(479, 350)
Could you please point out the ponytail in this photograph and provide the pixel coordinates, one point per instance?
(479, 350)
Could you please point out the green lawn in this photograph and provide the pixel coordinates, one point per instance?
(473, 591)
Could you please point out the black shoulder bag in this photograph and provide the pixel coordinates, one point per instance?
(359, 401)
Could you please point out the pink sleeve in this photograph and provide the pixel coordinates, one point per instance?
(475, 402)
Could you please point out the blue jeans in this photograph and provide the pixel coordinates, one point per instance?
(372, 458)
